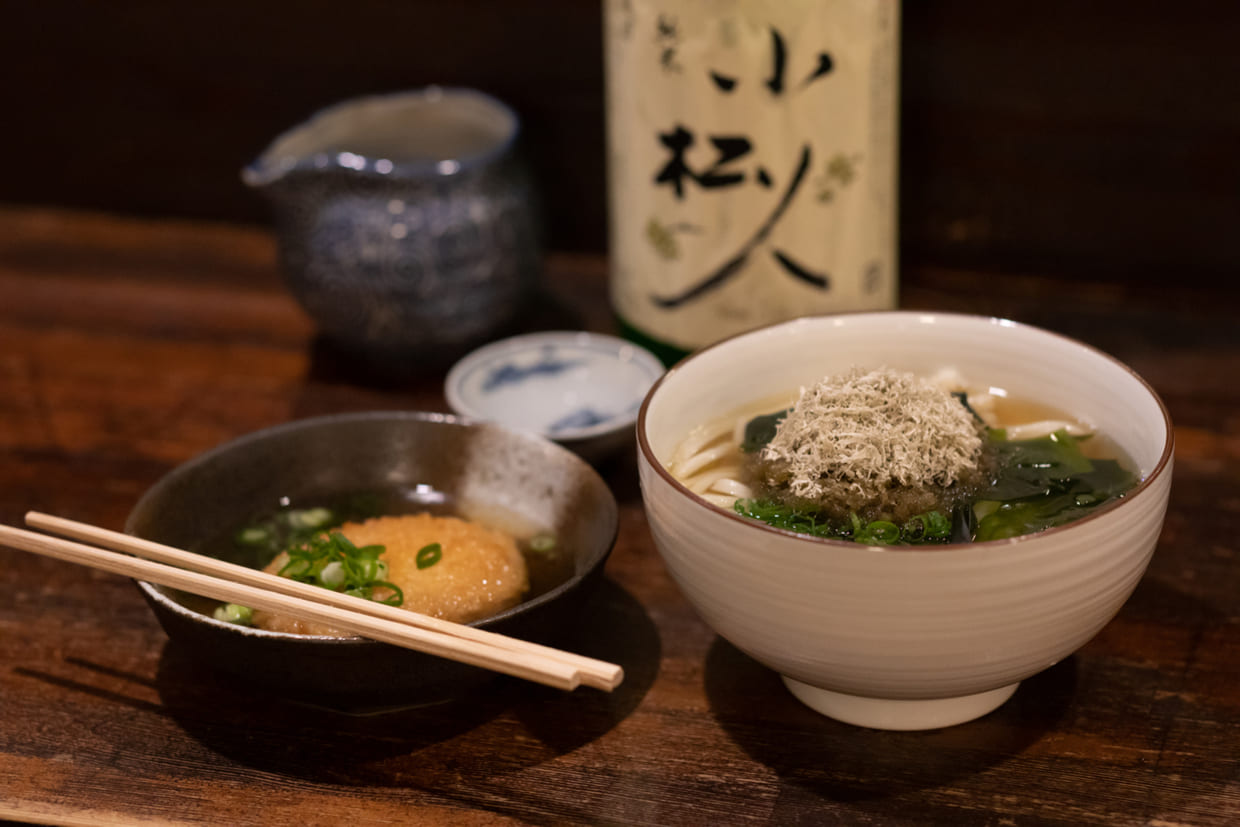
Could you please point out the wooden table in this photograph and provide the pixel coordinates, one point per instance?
(128, 346)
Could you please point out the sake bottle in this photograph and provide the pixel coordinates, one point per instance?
(751, 157)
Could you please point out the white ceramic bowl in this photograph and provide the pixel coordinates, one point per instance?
(899, 638)
(579, 389)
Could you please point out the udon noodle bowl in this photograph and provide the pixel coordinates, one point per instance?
(940, 630)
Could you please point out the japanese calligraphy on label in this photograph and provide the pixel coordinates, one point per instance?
(751, 162)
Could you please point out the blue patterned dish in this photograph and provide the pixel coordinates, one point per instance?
(579, 389)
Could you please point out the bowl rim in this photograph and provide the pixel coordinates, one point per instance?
(612, 348)
(646, 453)
(270, 165)
(155, 592)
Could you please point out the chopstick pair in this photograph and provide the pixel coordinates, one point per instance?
(219, 580)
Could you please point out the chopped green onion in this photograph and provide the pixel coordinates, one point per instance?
(332, 576)
(429, 555)
(234, 613)
(371, 569)
(396, 597)
(332, 561)
(253, 536)
(296, 569)
(930, 527)
(312, 518)
(879, 533)
(542, 542)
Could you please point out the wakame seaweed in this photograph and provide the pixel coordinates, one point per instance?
(761, 429)
(964, 400)
(1043, 483)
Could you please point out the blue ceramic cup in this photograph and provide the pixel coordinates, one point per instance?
(405, 221)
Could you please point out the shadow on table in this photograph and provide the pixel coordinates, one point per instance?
(332, 362)
(840, 762)
(506, 725)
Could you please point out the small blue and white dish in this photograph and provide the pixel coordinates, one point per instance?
(579, 389)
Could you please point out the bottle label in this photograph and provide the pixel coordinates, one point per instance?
(751, 162)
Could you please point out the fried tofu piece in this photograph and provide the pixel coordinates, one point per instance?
(480, 572)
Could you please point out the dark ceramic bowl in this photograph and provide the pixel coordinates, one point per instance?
(424, 461)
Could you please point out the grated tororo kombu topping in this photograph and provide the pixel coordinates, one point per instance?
(876, 442)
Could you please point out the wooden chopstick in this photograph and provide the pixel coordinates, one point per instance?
(229, 582)
(596, 673)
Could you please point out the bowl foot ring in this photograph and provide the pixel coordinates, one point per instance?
(885, 713)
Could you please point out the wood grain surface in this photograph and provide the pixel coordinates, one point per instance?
(128, 346)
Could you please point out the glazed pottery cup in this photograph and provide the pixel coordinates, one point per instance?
(405, 221)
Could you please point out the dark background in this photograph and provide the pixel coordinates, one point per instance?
(1058, 137)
